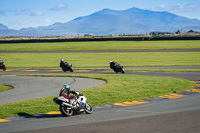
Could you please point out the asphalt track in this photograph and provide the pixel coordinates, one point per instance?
(160, 115)
(26, 88)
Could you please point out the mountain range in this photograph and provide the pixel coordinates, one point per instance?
(107, 21)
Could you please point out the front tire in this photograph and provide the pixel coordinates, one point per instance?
(71, 69)
(123, 71)
(88, 108)
(65, 112)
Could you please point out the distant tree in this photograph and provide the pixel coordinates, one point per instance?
(178, 32)
(191, 31)
(87, 35)
(159, 33)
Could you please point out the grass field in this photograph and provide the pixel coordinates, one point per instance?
(49, 61)
(101, 45)
(118, 89)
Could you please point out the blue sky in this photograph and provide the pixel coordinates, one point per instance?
(17, 14)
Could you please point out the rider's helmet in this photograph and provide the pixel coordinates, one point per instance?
(61, 60)
(66, 86)
(110, 62)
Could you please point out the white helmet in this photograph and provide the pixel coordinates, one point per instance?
(110, 62)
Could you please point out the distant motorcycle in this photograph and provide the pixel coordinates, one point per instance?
(2, 66)
(69, 106)
(65, 66)
(116, 67)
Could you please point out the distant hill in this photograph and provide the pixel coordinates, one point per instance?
(107, 21)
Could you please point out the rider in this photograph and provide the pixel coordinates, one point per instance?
(63, 64)
(2, 66)
(65, 92)
(113, 64)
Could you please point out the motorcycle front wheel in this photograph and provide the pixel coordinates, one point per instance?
(65, 112)
(123, 71)
(88, 108)
(71, 69)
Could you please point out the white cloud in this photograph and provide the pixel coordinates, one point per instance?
(47, 20)
(59, 7)
(37, 13)
(162, 6)
(181, 6)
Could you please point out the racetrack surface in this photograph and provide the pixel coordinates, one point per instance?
(28, 87)
(180, 122)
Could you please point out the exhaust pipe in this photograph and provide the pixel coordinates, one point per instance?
(67, 104)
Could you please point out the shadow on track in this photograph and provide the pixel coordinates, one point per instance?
(25, 115)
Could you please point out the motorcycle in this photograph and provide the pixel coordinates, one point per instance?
(72, 105)
(116, 67)
(65, 66)
(2, 66)
(119, 69)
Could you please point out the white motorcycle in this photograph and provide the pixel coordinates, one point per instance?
(77, 104)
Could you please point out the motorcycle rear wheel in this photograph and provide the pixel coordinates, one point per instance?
(115, 71)
(88, 108)
(3, 67)
(65, 112)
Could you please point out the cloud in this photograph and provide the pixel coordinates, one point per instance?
(37, 13)
(46, 20)
(59, 7)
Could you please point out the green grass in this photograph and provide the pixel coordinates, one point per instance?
(101, 45)
(50, 61)
(119, 88)
(5, 88)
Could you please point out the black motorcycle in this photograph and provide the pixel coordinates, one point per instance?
(65, 66)
(2, 66)
(116, 67)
